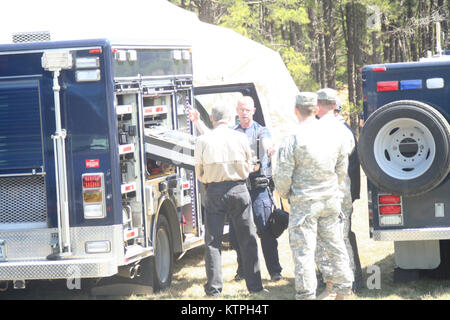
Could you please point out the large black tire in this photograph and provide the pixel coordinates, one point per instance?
(158, 269)
(404, 148)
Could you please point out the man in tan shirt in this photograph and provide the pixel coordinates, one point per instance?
(260, 142)
(223, 163)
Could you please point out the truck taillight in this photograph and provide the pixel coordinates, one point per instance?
(92, 181)
(390, 210)
(387, 86)
(93, 196)
(378, 69)
(389, 199)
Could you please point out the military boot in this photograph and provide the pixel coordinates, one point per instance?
(341, 296)
(328, 293)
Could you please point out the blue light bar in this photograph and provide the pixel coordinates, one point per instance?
(410, 84)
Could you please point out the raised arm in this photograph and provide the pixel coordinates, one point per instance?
(194, 116)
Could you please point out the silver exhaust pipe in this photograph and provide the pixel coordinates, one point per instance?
(125, 272)
(138, 269)
(130, 272)
(19, 284)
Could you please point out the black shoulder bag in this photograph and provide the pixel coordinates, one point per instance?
(278, 220)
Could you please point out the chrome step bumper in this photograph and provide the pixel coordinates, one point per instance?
(412, 234)
(24, 254)
(60, 269)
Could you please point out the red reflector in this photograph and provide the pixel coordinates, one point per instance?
(388, 199)
(92, 163)
(390, 209)
(379, 69)
(95, 51)
(387, 86)
(92, 181)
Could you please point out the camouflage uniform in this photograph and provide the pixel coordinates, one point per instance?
(310, 164)
(322, 259)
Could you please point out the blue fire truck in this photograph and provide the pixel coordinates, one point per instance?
(97, 172)
(79, 189)
(404, 149)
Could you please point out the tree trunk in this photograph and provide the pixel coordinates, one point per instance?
(375, 43)
(206, 11)
(314, 48)
(392, 57)
(384, 30)
(349, 27)
(330, 43)
(444, 23)
(412, 38)
(322, 58)
(360, 33)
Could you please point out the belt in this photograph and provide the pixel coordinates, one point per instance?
(231, 182)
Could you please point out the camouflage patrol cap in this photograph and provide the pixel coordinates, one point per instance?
(327, 94)
(306, 99)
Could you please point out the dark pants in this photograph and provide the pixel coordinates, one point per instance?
(262, 208)
(358, 271)
(233, 200)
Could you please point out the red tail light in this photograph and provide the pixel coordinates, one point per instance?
(377, 69)
(92, 181)
(388, 199)
(387, 86)
(93, 192)
(390, 209)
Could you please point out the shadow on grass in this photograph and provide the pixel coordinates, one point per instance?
(425, 287)
(280, 290)
(191, 258)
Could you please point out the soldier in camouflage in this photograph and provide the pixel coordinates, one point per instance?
(328, 102)
(310, 164)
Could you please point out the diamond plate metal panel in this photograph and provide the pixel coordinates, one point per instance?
(412, 234)
(62, 269)
(27, 244)
(31, 36)
(26, 252)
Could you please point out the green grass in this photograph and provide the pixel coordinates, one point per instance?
(189, 275)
